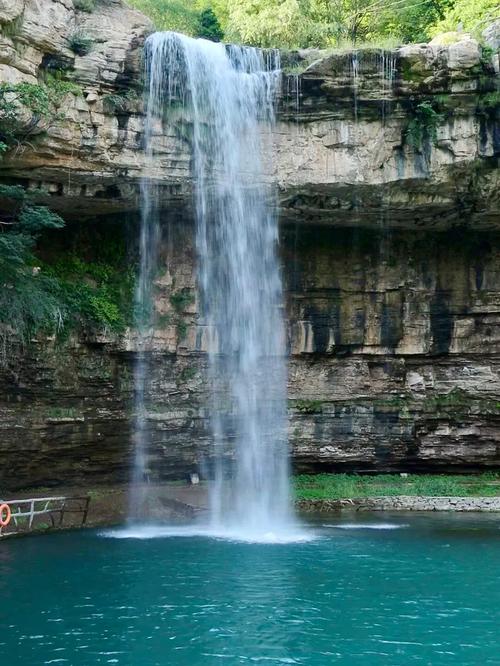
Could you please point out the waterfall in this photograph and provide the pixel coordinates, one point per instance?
(225, 96)
(139, 504)
(387, 71)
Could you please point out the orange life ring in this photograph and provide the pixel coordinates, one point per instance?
(5, 508)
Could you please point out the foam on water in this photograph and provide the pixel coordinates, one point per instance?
(367, 526)
(206, 531)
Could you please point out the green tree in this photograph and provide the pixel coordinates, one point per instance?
(408, 20)
(209, 26)
(320, 23)
(323, 23)
(469, 16)
(176, 15)
(270, 23)
(344, 20)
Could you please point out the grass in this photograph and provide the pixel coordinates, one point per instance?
(342, 486)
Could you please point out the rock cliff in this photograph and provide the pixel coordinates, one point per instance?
(387, 166)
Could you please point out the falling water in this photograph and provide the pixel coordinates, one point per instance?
(387, 71)
(355, 83)
(293, 92)
(225, 95)
(139, 505)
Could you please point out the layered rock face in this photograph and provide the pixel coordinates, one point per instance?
(387, 167)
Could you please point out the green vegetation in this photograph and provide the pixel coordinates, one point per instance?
(36, 297)
(209, 26)
(181, 328)
(422, 128)
(53, 298)
(80, 43)
(63, 413)
(489, 101)
(318, 23)
(120, 102)
(178, 15)
(97, 296)
(163, 320)
(85, 5)
(188, 373)
(307, 406)
(29, 108)
(471, 16)
(343, 486)
(180, 300)
(28, 297)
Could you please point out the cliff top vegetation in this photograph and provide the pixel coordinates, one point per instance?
(319, 23)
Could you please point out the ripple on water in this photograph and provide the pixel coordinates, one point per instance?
(359, 597)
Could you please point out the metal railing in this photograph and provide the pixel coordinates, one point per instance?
(29, 514)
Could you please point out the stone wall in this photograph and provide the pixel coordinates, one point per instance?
(402, 503)
(390, 255)
(394, 366)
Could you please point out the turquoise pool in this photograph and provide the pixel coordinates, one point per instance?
(388, 590)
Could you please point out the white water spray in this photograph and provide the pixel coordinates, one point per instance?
(224, 96)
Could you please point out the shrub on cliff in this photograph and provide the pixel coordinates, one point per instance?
(27, 109)
(84, 5)
(97, 295)
(29, 299)
(57, 297)
(80, 43)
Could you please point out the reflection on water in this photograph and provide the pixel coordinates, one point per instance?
(425, 593)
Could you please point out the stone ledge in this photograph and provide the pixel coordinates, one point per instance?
(401, 503)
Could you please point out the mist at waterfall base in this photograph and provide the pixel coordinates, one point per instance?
(223, 96)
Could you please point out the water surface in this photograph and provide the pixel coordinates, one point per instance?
(375, 590)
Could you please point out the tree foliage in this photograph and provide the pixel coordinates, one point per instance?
(198, 18)
(422, 127)
(209, 26)
(98, 294)
(322, 23)
(28, 298)
(412, 20)
(53, 298)
(177, 15)
(469, 16)
(266, 22)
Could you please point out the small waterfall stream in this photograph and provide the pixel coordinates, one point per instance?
(224, 96)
